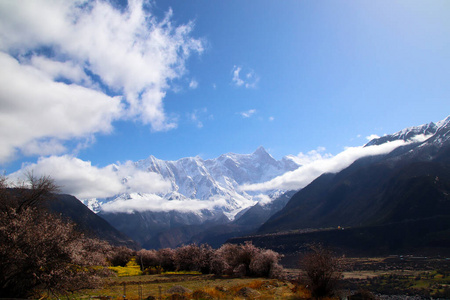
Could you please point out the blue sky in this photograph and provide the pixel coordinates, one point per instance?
(106, 83)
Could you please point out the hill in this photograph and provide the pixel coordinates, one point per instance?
(69, 207)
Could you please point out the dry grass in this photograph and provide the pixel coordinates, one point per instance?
(203, 287)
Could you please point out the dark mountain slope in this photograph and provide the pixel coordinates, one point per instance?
(170, 229)
(247, 223)
(412, 182)
(69, 207)
(259, 214)
(421, 237)
(395, 202)
(368, 195)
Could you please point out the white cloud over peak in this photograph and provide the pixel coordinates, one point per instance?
(311, 156)
(152, 202)
(70, 68)
(316, 165)
(371, 137)
(83, 180)
(248, 79)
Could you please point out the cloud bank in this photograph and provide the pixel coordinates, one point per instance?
(71, 68)
(83, 180)
(316, 165)
(152, 202)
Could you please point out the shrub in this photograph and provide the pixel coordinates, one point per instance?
(166, 259)
(218, 265)
(206, 258)
(120, 256)
(323, 271)
(237, 258)
(147, 259)
(265, 264)
(187, 258)
(226, 258)
(39, 252)
(246, 260)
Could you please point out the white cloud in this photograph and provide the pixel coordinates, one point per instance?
(311, 156)
(56, 69)
(45, 147)
(35, 107)
(317, 166)
(420, 138)
(152, 202)
(248, 80)
(238, 81)
(371, 137)
(271, 119)
(263, 199)
(57, 54)
(83, 180)
(197, 115)
(193, 84)
(248, 113)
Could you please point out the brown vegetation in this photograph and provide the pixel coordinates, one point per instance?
(323, 271)
(39, 252)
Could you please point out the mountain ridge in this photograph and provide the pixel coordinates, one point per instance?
(376, 199)
(206, 192)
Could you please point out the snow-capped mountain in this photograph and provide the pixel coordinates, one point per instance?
(196, 178)
(211, 184)
(200, 194)
(418, 133)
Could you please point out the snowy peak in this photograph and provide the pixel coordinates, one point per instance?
(262, 153)
(212, 183)
(420, 133)
(444, 123)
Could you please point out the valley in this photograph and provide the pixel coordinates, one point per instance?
(382, 277)
(384, 218)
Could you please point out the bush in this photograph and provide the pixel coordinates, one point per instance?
(323, 271)
(39, 252)
(265, 264)
(207, 254)
(218, 265)
(237, 258)
(166, 259)
(226, 257)
(246, 260)
(120, 256)
(147, 259)
(187, 258)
